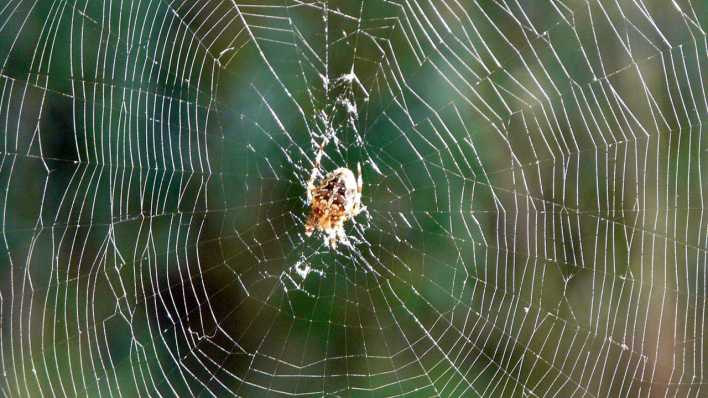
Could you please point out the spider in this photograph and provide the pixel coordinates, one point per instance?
(336, 199)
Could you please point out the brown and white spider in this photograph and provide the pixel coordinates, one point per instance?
(336, 199)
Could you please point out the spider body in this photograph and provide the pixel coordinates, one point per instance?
(336, 199)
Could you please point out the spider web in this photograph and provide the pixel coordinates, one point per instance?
(534, 173)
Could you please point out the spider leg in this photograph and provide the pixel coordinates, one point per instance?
(358, 208)
(359, 179)
(342, 236)
(310, 225)
(315, 170)
(333, 239)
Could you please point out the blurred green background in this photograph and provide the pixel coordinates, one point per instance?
(533, 173)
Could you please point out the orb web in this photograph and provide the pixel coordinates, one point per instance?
(533, 176)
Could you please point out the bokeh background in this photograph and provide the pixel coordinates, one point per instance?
(534, 173)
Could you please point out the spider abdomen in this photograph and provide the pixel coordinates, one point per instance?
(335, 200)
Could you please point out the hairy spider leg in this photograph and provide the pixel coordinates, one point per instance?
(358, 208)
(315, 170)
